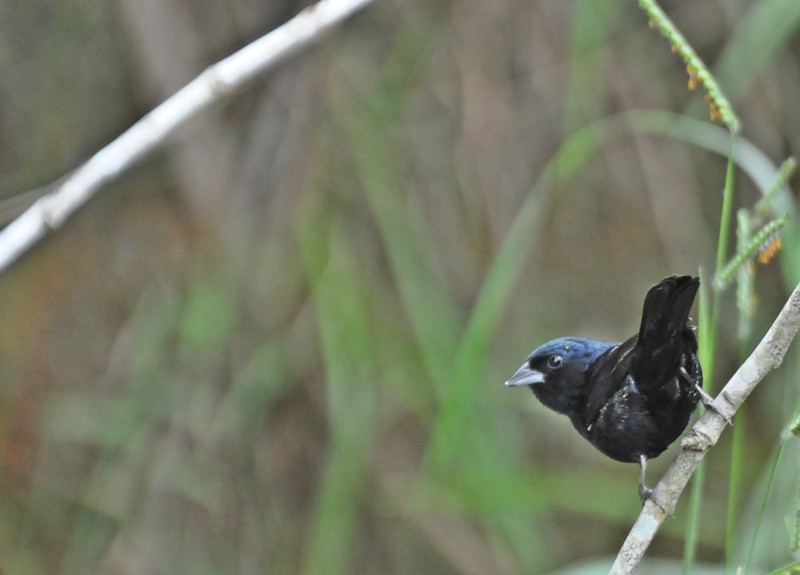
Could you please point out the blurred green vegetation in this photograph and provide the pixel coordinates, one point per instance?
(279, 346)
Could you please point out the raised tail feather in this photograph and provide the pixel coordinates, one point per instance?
(664, 318)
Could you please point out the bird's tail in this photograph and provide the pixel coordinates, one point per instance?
(662, 334)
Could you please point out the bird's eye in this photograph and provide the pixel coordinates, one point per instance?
(555, 361)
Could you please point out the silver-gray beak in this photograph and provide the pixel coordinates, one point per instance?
(525, 376)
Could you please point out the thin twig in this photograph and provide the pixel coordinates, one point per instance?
(216, 83)
(767, 355)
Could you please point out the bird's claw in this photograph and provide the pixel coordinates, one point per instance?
(705, 398)
(709, 404)
(645, 493)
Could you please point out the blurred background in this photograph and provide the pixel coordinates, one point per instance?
(279, 344)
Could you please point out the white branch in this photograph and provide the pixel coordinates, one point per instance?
(217, 82)
(767, 356)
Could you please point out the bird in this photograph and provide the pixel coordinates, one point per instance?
(630, 400)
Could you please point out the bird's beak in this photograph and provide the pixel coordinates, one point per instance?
(525, 376)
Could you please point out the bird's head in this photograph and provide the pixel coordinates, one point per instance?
(556, 371)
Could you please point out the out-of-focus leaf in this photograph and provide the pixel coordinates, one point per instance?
(756, 39)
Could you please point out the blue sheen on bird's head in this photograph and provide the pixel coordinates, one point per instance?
(556, 370)
(577, 349)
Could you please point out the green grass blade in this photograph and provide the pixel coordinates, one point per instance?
(763, 507)
(432, 314)
(347, 348)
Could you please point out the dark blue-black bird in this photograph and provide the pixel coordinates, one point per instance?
(633, 399)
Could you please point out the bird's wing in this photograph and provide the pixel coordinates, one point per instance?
(608, 375)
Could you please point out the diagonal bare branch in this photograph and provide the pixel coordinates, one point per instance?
(216, 83)
(767, 355)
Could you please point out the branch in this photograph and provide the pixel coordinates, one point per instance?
(767, 356)
(215, 84)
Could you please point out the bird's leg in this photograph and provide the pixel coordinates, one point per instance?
(705, 398)
(645, 492)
